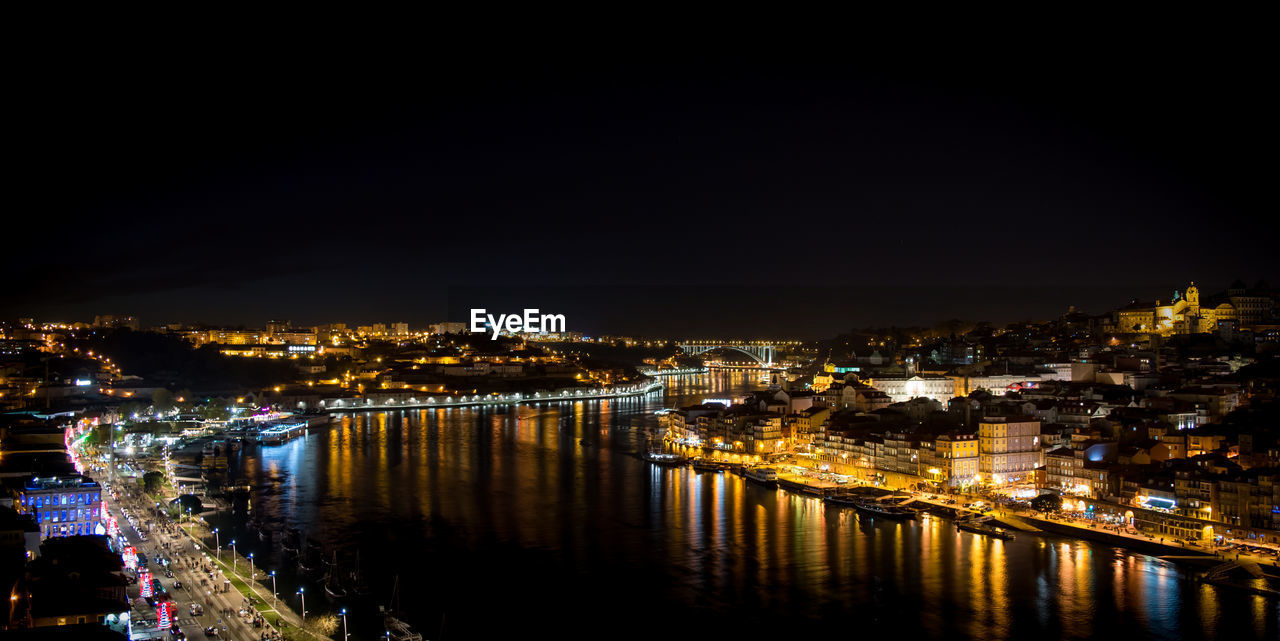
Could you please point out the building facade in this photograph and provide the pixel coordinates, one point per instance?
(69, 505)
(1008, 449)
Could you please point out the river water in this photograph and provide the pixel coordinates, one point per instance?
(501, 523)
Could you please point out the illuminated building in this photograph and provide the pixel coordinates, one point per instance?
(997, 384)
(1188, 314)
(955, 458)
(1008, 449)
(1059, 468)
(901, 388)
(232, 337)
(448, 328)
(66, 505)
(823, 380)
(113, 321)
(809, 421)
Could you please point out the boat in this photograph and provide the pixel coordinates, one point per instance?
(766, 476)
(803, 489)
(981, 527)
(704, 465)
(332, 583)
(665, 460)
(872, 508)
(841, 500)
(310, 560)
(358, 587)
(397, 630)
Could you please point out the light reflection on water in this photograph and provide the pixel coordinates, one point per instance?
(536, 520)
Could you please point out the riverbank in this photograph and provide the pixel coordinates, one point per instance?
(411, 401)
(1036, 523)
(1139, 542)
(687, 371)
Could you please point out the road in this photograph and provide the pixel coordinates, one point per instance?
(189, 567)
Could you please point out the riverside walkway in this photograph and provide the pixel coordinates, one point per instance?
(489, 400)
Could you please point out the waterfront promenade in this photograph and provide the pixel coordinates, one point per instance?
(251, 582)
(411, 401)
(812, 484)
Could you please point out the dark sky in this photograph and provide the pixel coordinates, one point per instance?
(765, 194)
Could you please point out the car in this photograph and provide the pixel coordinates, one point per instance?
(211, 631)
(196, 609)
(177, 585)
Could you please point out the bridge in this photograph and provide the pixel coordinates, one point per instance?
(762, 352)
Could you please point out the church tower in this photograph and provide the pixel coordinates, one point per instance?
(1193, 298)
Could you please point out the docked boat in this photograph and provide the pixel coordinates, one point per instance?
(984, 528)
(332, 582)
(397, 630)
(311, 559)
(766, 476)
(801, 488)
(872, 508)
(665, 460)
(359, 587)
(841, 500)
(704, 465)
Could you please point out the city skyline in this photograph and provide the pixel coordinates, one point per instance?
(592, 314)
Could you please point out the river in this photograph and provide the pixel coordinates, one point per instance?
(502, 523)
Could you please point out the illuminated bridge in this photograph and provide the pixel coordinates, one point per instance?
(762, 352)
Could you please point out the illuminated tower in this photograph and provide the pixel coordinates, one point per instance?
(1193, 299)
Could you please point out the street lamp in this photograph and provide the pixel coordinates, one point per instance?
(302, 593)
(234, 559)
(216, 544)
(345, 636)
(251, 572)
(273, 589)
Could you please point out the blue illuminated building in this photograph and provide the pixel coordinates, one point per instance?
(64, 505)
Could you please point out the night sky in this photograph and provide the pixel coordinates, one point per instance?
(661, 194)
